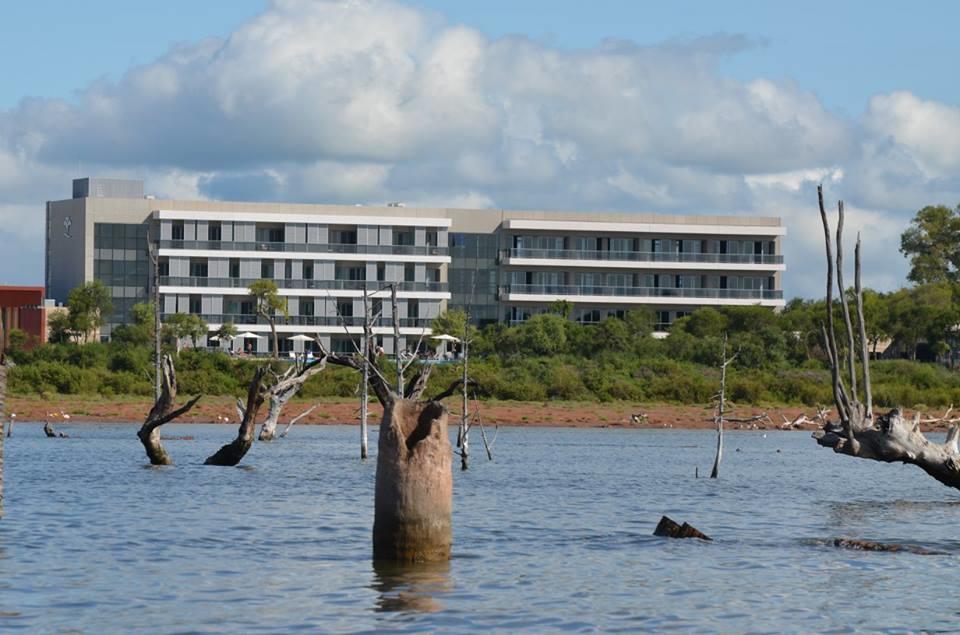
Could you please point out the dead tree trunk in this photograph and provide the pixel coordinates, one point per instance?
(413, 497)
(233, 452)
(857, 432)
(365, 380)
(285, 388)
(50, 433)
(464, 435)
(161, 413)
(721, 402)
(157, 355)
(414, 484)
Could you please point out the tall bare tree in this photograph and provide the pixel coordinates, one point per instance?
(721, 398)
(857, 431)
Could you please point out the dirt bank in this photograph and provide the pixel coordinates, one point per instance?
(338, 411)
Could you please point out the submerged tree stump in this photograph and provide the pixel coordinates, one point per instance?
(163, 412)
(414, 485)
(668, 528)
(233, 452)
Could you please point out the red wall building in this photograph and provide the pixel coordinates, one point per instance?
(22, 308)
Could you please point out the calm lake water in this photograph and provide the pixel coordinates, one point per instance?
(554, 535)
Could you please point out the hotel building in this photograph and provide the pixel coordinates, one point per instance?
(503, 266)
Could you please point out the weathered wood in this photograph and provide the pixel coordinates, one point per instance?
(869, 545)
(721, 403)
(233, 452)
(668, 528)
(858, 432)
(162, 412)
(300, 416)
(286, 387)
(51, 433)
(414, 484)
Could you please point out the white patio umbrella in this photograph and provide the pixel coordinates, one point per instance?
(248, 335)
(445, 338)
(301, 338)
(215, 338)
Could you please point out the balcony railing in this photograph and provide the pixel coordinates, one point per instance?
(348, 285)
(640, 292)
(310, 320)
(645, 256)
(331, 248)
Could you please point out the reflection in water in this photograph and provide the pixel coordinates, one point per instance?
(410, 587)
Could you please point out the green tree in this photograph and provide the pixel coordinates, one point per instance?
(139, 332)
(89, 305)
(59, 328)
(876, 321)
(544, 334)
(19, 339)
(269, 304)
(925, 313)
(563, 308)
(705, 322)
(226, 332)
(182, 326)
(453, 322)
(932, 243)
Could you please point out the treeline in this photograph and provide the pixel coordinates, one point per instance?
(550, 357)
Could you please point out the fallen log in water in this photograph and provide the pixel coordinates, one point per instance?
(869, 545)
(668, 528)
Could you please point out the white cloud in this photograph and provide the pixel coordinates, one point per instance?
(364, 101)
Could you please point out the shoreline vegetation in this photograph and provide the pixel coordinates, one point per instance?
(547, 370)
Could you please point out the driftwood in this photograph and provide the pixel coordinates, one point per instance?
(802, 419)
(162, 412)
(869, 545)
(282, 391)
(296, 419)
(946, 419)
(857, 431)
(668, 528)
(233, 452)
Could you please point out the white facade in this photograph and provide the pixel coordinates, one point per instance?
(501, 265)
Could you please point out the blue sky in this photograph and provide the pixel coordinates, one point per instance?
(845, 51)
(735, 107)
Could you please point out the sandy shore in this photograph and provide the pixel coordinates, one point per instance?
(339, 411)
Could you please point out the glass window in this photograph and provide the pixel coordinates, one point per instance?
(214, 231)
(198, 268)
(177, 230)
